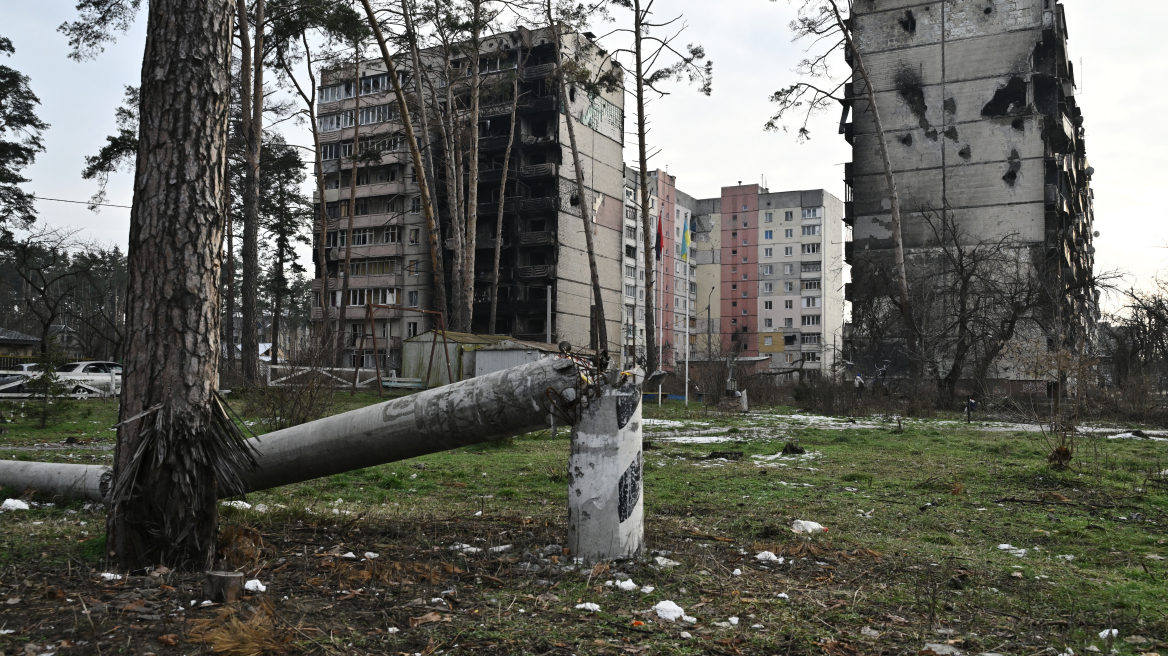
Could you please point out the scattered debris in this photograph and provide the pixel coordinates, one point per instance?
(671, 612)
(1012, 550)
(941, 649)
(804, 527)
(662, 561)
(768, 557)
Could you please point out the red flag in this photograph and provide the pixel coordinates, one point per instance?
(660, 239)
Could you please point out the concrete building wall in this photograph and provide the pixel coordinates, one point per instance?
(977, 104)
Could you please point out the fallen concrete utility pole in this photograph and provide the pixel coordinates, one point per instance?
(606, 516)
(484, 409)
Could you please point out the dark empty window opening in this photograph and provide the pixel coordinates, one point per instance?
(909, 22)
(989, 10)
(1008, 100)
(1011, 176)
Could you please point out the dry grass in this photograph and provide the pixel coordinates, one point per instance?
(257, 635)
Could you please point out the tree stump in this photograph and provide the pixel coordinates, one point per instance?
(223, 587)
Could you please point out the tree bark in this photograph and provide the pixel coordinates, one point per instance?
(252, 113)
(404, 110)
(585, 206)
(436, 254)
(647, 236)
(472, 191)
(503, 200)
(177, 450)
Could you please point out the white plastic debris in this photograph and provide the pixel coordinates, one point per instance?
(736, 572)
(588, 606)
(109, 576)
(685, 635)
(671, 612)
(1012, 550)
(372, 555)
(1109, 634)
(349, 556)
(392, 630)
(768, 557)
(662, 561)
(627, 585)
(254, 585)
(501, 548)
(804, 527)
(241, 505)
(14, 504)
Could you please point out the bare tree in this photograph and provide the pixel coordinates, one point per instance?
(44, 259)
(824, 24)
(657, 59)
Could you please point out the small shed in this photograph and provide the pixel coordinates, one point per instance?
(460, 348)
(17, 344)
(511, 353)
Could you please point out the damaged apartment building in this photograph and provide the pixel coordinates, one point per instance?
(543, 281)
(977, 101)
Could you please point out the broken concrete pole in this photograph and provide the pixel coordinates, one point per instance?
(484, 409)
(606, 516)
(74, 481)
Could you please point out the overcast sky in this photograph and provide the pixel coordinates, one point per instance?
(707, 142)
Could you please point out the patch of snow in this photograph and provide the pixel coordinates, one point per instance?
(647, 589)
(671, 612)
(371, 555)
(14, 504)
(1106, 634)
(588, 606)
(1012, 550)
(734, 621)
(627, 585)
(109, 576)
(501, 548)
(254, 585)
(665, 562)
(241, 505)
(736, 572)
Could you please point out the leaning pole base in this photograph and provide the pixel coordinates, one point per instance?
(606, 513)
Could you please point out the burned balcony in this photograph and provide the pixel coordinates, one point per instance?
(537, 271)
(539, 72)
(544, 204)
(536, 238)
(849, 251)
(537, 171)
(537, 104)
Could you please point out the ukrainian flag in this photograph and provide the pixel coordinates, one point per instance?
(685, 241)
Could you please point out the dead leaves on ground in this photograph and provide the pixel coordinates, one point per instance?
(226, 633)
(428, 618)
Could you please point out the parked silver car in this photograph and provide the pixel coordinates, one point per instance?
(92, 377)
(12, 379)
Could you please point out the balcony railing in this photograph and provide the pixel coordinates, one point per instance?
(536, 72)
(532, 140)
(537, 238)
(537, 171)
(537, 271)
(539, 204)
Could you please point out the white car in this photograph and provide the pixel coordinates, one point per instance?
(92, 377)
(12, 380)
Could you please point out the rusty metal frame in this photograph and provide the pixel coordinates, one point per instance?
(369, 307)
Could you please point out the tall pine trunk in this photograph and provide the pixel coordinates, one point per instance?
(252, 113)
(647, 232)
(177, 450)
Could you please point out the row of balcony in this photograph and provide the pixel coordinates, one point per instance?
(509, 274)
(531, 172)
(529, 238)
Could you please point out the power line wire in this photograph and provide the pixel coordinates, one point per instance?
(81, 202)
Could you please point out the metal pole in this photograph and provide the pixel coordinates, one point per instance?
(548, 326)
(660, 318)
